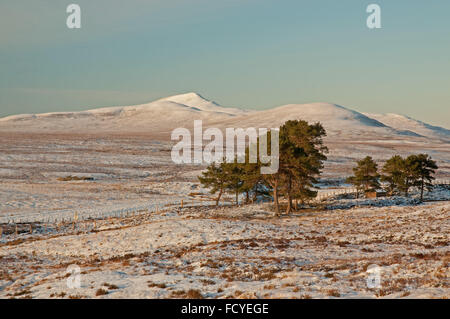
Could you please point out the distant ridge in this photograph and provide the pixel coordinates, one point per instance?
(165, 114)
(404, 122)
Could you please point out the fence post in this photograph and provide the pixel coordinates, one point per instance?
(31, 228)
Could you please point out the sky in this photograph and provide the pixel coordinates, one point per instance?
(254, 54)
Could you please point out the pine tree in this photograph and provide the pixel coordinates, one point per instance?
(365, 176)
(252, 178)
(303, 184)
(215, 178)
(422, 168)
(273, 180)
(414, 171)
(410, 173)
(393, 173)
(301, 160)
(309, 165)
(234, 182)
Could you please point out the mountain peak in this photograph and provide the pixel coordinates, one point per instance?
(189, 99)
(190, 95)
(195, 100)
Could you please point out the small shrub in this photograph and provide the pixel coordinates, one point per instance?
(101, 292)
(177, 294)
(152, 284)
(194, 294)
(208, 282)
(21, 293)
(110, 286)
(333, 293)
(74, 178)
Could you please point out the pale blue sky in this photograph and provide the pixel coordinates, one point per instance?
(242, 53)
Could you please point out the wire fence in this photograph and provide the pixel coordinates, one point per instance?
(46, 223)
(80, 221)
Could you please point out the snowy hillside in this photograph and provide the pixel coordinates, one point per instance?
(159, 116)
(162, 116)
(198, 102)
(336, 119)
(403, 122)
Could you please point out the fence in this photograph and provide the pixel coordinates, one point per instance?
(45, 222)
(28, 224)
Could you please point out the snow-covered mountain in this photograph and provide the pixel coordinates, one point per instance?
(403, 122)
(165, 114)
(198, 102)
(336, 119)
(158, 116)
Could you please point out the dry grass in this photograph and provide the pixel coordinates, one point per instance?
(269, 287)
(110, 286)
(22, 292)
(194, 294)
(161, 285)
(208, 281)
(101, 292)
(74, 178)
(333, 293)
(191, 294)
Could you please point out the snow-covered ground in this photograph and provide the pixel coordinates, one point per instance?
(238, 252)
(110, 204)
(49, 178)
(131, 238)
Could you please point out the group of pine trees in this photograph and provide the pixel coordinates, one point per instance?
(301, 157)
(398, 173)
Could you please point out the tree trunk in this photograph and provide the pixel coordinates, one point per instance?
(255, 193)
(289, 205)
(247, 197)
(421, 190)
(237, 198)
(275, 199)
(218, 198)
